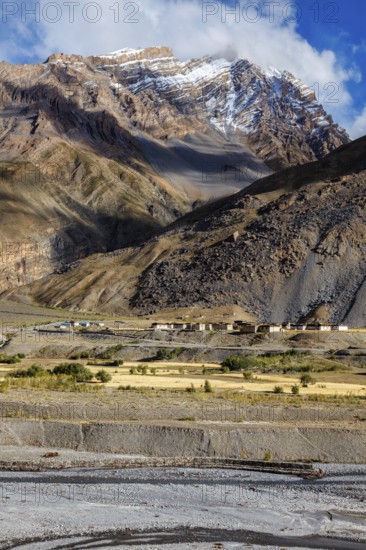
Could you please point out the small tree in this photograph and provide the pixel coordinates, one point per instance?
(208, 387)
(103, 376)
(118, 363)
(153, 371)
(234, 362)
(295, 390)
(278, 389)
(76, 370)
(306, 379)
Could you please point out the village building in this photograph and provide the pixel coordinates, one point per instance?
(297, 327)
(222, 327)
(180, 326)
(318, 326)
(269, 328)
(83, 324)
(65, 326)
(198, 327)
(246, 328)
(162, 326)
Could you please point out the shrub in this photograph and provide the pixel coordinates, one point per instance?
(295, 390)
(180, 370)
(234, 362)
(103, 376)
(278, 389)
(11, 359)
(268, 456)
(133, 370)
(248, 376)
(32, 372)
(208, 387)
(77, 371)
(167, 353)
(153, 371)
(191, 389)
(107, 354)
(306, 379)
(118, 363)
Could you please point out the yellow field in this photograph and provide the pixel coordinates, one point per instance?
(168, 377)
(232, 381)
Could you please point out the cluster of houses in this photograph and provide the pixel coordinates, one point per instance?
(246, 328)
(69, 325)
(197, 327)
(240, 326)
(250, 328)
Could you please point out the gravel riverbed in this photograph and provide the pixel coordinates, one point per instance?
(186, 508)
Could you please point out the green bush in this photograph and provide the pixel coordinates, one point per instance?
(306, 379)
(32, 372)
(208, 387)
(295, 390)
(107, 354)
(103, 376)
(118, 363)
(167, 353)
(77, 371)
(234, 362)
(11, 359)
(133, 370)
(248, 376)
(153, 371)
(191, 389)
(278, 389)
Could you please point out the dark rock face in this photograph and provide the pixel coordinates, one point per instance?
(300, 252)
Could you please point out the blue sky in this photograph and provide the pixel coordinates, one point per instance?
(345, 36)
(322, 42)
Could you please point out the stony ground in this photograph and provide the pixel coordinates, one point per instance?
(185, 509)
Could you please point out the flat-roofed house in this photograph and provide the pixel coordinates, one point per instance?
(298, 327)
(224, 327)
(343, 328)
(198, 327)
(179, 326)
(162, 326)
(319, 326)
(65, 326)
(269, 328)
(247, 328)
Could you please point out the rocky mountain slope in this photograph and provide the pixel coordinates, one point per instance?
(100, 152)
(288, 247)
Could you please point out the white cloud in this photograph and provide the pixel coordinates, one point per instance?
(357, 128)
(265, 36)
